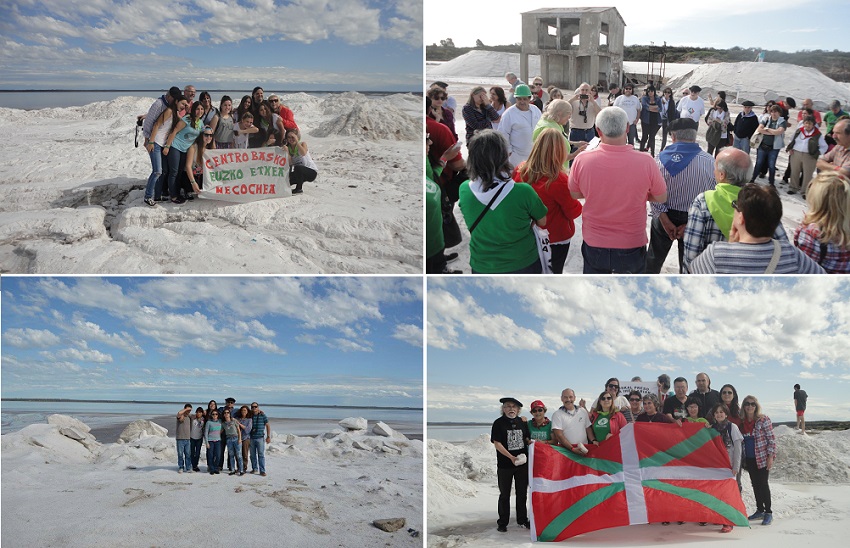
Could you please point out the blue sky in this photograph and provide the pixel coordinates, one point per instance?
(529, 338)
(327, 341)
(304, 45)
(784, 25)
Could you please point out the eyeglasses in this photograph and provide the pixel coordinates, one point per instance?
(609, 398)
(727, 392)
(634, 399)
(613, 385)
(538, 410)
(735, 207)
(749, 404)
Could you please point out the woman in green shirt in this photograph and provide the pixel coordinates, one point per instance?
(606, 420)
(539, 426)
(692, 406)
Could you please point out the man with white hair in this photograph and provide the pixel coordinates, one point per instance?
(514, 82)
(584, 114)
(615, 180)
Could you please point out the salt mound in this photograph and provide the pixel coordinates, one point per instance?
(46, 443)
(761, 82)
(332, 104)
(365, 121)
(818, 458)
(454, 470)
(486, 64)
(141, 428)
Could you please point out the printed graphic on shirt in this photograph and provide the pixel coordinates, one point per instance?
(602, 422)
(515, 441)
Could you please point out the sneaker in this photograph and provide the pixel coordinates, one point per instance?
(179, 470)
(792, 191)
(502, 528)
(190, 196)
(196, 469)
(527, 524)
(150, 201)
(232, 473)
(263, 474)
(768, 519)
(297, 190)
(178, 200)
(253, 471)
(757, 515)
(726, 529)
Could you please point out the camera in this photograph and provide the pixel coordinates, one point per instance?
(583, 96)
(140, 121)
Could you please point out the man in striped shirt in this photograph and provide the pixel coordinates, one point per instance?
(688, 171)
(710, 216)
(751, 248)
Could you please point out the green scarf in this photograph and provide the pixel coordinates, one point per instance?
(719, 202)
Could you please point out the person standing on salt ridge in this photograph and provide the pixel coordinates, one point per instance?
(302, 168)
(515, 83)
(283, 111)
(631, 105)
(259, 426)
(732, 440)
(155, 152)
(182, 137)
(692, 106)
(570, 423)
(824, 232)
(746, 124)
(518, 123)
(616, 181)
(196, 438)
(511, 438)
(759, 452)
(800, 398)
(159, 135)
(183, 436)
(212, 439)
(687, 170)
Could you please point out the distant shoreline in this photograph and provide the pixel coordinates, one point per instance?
(183, 402)
(159, 91)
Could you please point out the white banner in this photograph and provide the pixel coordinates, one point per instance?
(643, 387)
(246, 174)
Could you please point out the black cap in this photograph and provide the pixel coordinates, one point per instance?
(695, 89)
(748, 103)
(230, 400)
(441, 84)
(511, 400)
(683, 123)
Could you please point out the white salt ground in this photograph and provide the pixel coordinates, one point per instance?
(72, 184)
(486, 68)
(809, 492)
(320, 491)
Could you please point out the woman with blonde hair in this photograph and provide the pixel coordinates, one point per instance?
(556, 116)
(478, 113)
(544, 172)
(759, 452)
(824, 233)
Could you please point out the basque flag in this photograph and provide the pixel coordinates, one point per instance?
(650, 473)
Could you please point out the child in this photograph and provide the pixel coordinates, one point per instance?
(692, 405)
(732, 439)
(244, 128)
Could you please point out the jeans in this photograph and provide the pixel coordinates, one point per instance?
(603, 260)
(246, 450)
(660, 243)
(221, 459)
(214, 456)
(761, 489)
(741, 144)
(176, 161)
(196, 451)
(664, 131)
(155, 180)
(633, 133)
(768, 158)
(586, 135)
(507, 477)
(559, 257)
(234, 452)
(184, 456)
(258, 453)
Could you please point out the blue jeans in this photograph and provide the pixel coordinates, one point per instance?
(633, 136)
(258, 453)
(603, 260)
(234, 451)
(176, 161)
(741, 144)
(214, 456)
(156, 175)
(196, 451)
(184, 456)
(582, 134)
(768, 156)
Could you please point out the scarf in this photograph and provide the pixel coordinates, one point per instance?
(678, 156)
(719, 203)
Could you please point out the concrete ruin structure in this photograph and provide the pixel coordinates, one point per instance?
(575, 45)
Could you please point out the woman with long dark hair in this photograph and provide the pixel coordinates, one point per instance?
(478, 113)
(210, 111)
(182, 137)
(212, 439)
(222, 124)
(650, 119)
(499, 102)
(270, 126)
(244, 106)
(159, 135)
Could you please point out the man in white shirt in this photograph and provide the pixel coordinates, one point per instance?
(518, 123)
(692, 106)
(631, 104)
(569, 423)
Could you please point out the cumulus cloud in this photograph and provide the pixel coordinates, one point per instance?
(30, 338)
(347, 345)
(94, 356)
(409, 333)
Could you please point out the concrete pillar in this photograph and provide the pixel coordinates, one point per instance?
(571, 72)
(594, 70)
(523, 67)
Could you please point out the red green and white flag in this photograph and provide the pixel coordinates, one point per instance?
(650, 473)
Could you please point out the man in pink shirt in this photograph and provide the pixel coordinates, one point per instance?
(616, 181)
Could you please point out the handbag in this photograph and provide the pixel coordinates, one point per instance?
(544, 247)
(712, 135)
(755, 141)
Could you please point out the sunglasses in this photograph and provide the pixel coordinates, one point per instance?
(255, 407)
(608, 398)
(634, 399)
(273, 100)
(538, 410)
(735, 205)
(725, 392)
(613, 386)
(749, 404)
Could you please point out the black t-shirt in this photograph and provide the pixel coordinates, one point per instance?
(800, 398)
(511, 433)
(706, 402)
(674, 407)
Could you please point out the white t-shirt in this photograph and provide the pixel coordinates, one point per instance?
(630, 104)
(518, 125)
(573, 423)
(692, 108)
(240, 140)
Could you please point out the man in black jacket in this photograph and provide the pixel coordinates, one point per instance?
(746, 124)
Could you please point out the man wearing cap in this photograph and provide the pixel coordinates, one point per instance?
(692, 106)
(518, 123)
(616, 181)
(746, 124)
(631, 104)
(570, 423)
(687, 171)
(451, 102)
(511, 438)
(710, 216)
(514, 82)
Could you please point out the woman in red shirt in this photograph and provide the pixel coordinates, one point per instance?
(543, 172)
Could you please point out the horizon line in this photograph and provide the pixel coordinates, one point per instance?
(183, 402)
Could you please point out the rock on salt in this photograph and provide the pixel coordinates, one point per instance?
(382, 429)
(66, 421)
(389, 525)
(73, 433)
(354, 423)
(135, 429)
(361, 445)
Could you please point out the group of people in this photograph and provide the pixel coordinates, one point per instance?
(707, 201)
(746, 432)
(177, 130)
(240, 432)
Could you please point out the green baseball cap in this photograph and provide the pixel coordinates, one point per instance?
(522, 90)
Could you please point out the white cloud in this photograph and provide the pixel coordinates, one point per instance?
(30, 338)
(94, 356)
(346, 345)
(79, 329)
(409, 333)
